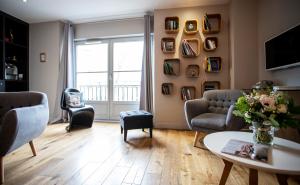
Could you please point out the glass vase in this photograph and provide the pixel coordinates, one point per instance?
(263, 133)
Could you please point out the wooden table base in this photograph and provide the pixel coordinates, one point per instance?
(253, 175)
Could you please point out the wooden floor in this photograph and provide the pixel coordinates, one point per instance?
(99, 156)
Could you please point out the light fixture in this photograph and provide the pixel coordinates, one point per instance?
(25, 1)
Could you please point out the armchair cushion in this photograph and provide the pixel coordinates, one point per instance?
(74, 99)
(210, 121)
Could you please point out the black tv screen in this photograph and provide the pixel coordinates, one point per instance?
(284, 50)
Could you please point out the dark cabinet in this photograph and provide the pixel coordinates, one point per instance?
(14, 47)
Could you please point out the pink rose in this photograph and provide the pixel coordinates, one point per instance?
(268, 102)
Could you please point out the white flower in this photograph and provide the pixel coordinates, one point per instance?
(282, 108)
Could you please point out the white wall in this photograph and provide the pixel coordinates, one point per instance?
(44, 37)
(243, 42)
(275, 17)
(169, 111)
(109, 28)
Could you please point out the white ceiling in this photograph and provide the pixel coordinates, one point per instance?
(91, 10)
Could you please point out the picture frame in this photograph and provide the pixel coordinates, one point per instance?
(43, 57)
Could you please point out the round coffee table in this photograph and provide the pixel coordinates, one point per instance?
(283, 157)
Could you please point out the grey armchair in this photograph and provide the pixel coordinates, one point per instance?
(213, 112)
(23, 117)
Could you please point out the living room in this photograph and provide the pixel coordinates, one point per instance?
(147, 66)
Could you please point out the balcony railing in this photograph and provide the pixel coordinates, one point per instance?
(120, 92)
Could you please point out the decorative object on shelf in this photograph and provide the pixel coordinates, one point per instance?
(266, 110)
(211, 23)
(171, 67)
(210, 43)
(213, 64)
(11, 72)
(11, 35)
(190, 48)
(167, 88)
(168, 45)
(171, 24)
(188, 93)
(43, 57)
(192, 71)
(210, 85)
(21, 76)
(191, 27)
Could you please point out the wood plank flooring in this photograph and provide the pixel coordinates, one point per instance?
(99, 156)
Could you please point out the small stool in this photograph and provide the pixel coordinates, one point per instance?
(135, 120)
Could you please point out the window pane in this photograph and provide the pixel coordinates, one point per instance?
(92, 57)
(126, 86)
(93, 86)
(128, 55)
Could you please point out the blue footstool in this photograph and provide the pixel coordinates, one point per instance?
(135, 120)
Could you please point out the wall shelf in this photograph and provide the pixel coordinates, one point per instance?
(167, 88)
(191, 27)
(190, 48)
(188, 92)
(171, 67)
(211, 23)
(172, 24)
(192, 71)
(210, 85)
(213, 64)
(210, 44)
(168, 45)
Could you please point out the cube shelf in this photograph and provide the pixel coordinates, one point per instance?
(213, 64)
(210, 44)
(172, 24)
(171, 67)
(188, 93)
(168, 45)
(192, 71)
(210, 85)
(191, 27)
(211, 23)
(167, 88)
(190, 48)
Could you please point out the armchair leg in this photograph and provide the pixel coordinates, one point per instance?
(198, 140)
(32, 148)
(1, 170)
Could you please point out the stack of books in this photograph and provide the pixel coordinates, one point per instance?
(207, 25)
(187, 49)
(186, 94)
(168, 69)
(172, 25)
(166, 89)
(210, 44)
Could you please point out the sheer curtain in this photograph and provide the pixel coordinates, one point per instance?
(146, 98)
(66, 69)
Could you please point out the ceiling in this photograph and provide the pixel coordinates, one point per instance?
(78, 11)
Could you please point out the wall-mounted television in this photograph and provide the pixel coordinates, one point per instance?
(283, 51)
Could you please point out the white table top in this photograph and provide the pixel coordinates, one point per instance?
(284, 155)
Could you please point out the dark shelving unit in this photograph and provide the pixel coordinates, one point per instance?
(14, 47)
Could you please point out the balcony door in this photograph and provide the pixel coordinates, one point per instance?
(108, 73)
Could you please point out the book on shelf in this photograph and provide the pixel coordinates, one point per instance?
(187, 49)
(172, 25)
(186, 94)
(213, 65)
(209, 87)
(207, 25)
(166, 89)
(246, 150)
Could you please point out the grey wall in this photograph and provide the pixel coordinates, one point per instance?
(44, 37)
(275, 17)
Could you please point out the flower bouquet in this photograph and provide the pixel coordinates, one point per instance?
(267, 110)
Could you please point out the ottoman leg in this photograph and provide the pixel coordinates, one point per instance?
(150, 129)
(121, 130)
(125, 135)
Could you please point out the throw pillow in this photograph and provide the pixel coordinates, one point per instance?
(74, 99)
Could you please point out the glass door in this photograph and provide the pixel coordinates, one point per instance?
(108, 73)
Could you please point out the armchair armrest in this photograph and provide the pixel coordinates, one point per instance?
(21, 125)
(193, 108)
(233, 122)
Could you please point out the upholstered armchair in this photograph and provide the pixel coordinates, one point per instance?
(213, 112)
(23, 117)
(82, 115)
